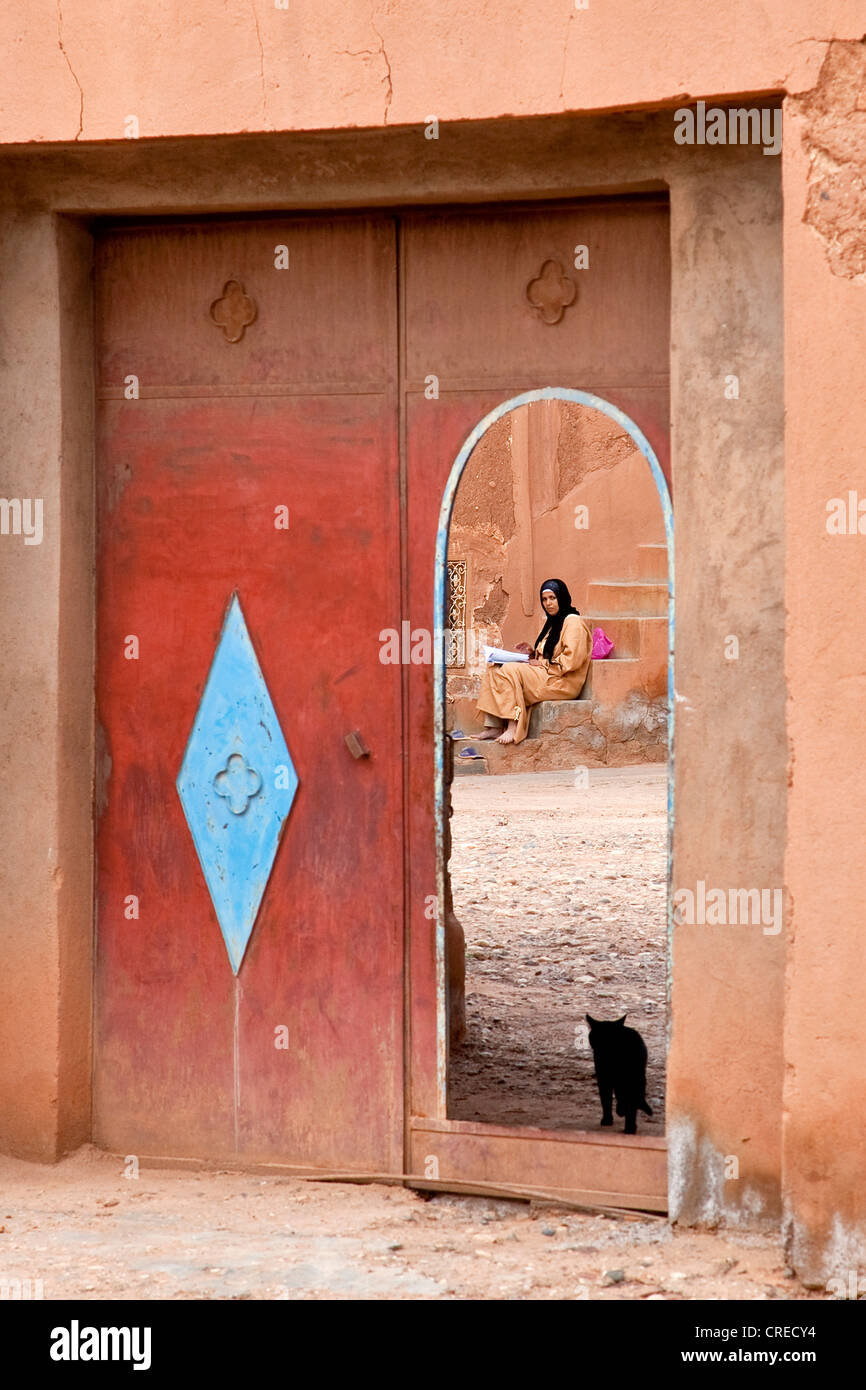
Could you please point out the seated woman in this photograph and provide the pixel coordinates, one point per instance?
(556, 669)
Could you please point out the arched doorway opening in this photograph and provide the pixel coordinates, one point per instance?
(450, 960)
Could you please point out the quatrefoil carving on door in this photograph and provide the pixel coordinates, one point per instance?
(551, 291)
(238, 783)
(234, 311)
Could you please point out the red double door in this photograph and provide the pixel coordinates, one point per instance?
(272, 461)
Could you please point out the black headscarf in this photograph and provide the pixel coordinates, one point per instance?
(553, 627)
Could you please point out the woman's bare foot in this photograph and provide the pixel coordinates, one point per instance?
(489, 733)
(507, 736)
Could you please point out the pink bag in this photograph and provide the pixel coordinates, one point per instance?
(601, 644)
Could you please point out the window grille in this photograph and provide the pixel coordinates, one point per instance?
(455, 614)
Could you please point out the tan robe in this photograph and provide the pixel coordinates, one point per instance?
(510, 690)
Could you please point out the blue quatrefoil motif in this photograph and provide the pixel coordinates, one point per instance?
(236, 784)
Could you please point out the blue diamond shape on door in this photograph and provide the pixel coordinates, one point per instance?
(236, 784)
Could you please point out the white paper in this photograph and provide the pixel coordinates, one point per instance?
(497, 655)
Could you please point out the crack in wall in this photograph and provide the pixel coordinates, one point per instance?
(265, 117)
(389, 95)
(374, 53)
(565, 58)
(71, 70)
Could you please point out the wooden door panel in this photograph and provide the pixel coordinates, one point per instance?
(471, 318)
(468, 321)
(190, 1057)
(435, 432)
(327, 316)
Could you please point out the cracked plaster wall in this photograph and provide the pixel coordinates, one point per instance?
(77, 69)
(824, 173)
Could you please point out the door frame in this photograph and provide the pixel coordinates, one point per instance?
(578, 1159)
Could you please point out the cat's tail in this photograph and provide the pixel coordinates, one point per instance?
(641, 1104)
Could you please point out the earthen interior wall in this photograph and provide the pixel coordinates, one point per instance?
(592, 464)
(585, 505)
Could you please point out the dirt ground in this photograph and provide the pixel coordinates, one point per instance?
(88, 1232)
(561, 892)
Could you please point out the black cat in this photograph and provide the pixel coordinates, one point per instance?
(620, 1070)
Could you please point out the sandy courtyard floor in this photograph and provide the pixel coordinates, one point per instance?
(561, 893)
(88, 1232)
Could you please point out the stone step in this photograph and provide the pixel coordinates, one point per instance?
(652, 562)
(628, 598)
(608, 683)
(553, 716)
(611, 680)
(573, 734)
(580, 745)
(632, 636)
(654, 637)
(470, 767)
